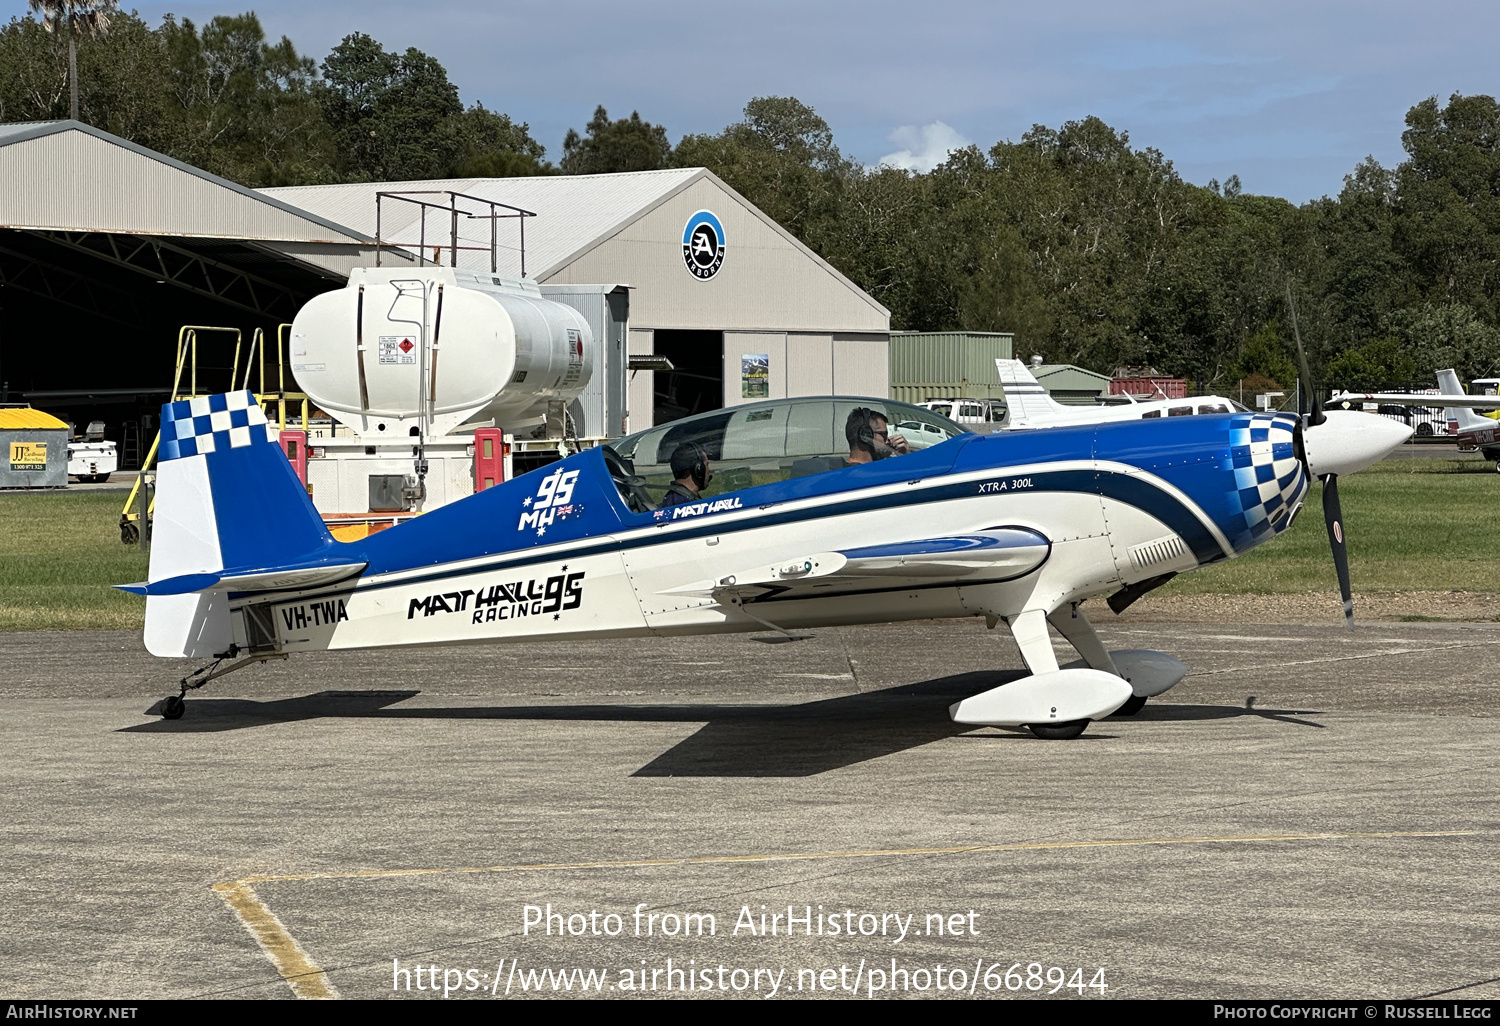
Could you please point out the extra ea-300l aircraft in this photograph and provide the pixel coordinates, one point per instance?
(1017, 528)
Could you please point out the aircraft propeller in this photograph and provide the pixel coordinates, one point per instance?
(1310, 407)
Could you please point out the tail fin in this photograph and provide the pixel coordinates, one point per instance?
(1029, 403)
(230, 516)
(1466, 418)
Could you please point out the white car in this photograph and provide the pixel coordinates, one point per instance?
(919, 435)
(969, 412)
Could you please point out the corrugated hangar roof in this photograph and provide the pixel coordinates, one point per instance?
(70, 176)
(575, 212)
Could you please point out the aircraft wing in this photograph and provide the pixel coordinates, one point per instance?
(1001, 553)
(1473, 402)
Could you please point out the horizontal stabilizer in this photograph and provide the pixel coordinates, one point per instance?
(1004, 552)
(249, 579)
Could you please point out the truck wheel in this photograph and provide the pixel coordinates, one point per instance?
(1424, 430)
(99, 478)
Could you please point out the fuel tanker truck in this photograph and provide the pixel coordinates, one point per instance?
(409, 363)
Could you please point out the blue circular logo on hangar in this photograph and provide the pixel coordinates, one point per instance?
(703, 245)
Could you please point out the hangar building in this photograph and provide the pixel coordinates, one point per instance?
(768, 318)
(108, 248)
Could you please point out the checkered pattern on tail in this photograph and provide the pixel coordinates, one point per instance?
(212, 423)
(1267, 474)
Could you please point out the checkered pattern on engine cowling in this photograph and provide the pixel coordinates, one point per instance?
(212, 423)
(1267, 474)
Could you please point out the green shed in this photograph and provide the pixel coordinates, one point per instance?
(1071, 385)
(947, 364)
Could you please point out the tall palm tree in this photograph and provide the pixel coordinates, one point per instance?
(77, 17)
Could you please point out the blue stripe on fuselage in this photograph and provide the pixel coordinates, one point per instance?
(1186, 451)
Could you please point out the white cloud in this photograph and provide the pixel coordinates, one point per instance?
(924, 146)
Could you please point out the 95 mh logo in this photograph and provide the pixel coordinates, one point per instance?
(553, 501)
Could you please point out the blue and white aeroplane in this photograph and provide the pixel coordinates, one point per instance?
(1017, 528)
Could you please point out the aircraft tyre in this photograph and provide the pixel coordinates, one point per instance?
(172, 707)
(1058, 731)
(1133, 705)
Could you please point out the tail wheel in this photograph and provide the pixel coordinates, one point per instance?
(1058, 731)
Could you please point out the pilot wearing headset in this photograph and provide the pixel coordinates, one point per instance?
(869, 437)
(691, 473)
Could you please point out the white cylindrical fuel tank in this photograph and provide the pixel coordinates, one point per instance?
(398, 344)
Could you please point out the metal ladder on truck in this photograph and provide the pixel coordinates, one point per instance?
(135, 518)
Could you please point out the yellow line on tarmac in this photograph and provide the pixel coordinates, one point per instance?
(301, 973)
(308, 980)
(693, 860)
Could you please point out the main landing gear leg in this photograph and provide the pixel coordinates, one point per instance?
(1076, 627)
(173, 706)
(1072, 624)
(1030, 631)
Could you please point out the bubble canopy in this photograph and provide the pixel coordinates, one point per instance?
(765, 442)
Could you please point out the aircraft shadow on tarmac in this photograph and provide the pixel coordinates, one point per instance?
(795, 740)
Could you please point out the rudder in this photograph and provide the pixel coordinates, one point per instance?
(1448, 384)
(227, 503)
(1028, 401)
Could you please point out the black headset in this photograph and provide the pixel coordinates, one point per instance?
(698, 469)
(866, 435)
(700, 466)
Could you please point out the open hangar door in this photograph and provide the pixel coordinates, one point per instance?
(89, 326)
(696, 382)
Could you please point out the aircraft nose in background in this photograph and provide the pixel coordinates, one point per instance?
(1349, 441)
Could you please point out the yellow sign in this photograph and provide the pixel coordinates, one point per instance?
(28, 455)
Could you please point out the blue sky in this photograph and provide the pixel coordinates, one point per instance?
(1289, 96)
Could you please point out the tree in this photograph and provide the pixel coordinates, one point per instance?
(629, 144)
(781, 157)
(242, 107)
(77, 18)
(1448, 335)
(487, 144)
(388, 112)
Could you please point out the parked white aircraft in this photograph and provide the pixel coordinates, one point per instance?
(1473, 430)
(1032, 407)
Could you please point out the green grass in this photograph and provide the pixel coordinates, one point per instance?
(60, 553)
(1412, 525)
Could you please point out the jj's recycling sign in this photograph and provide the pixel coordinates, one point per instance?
(28, 456)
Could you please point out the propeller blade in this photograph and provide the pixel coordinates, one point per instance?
(1308, 389)
(1333, 516)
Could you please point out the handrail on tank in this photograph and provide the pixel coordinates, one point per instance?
(187, 355)
(405, 196)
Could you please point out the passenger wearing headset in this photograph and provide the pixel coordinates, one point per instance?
(869, 437)
(691, 473)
